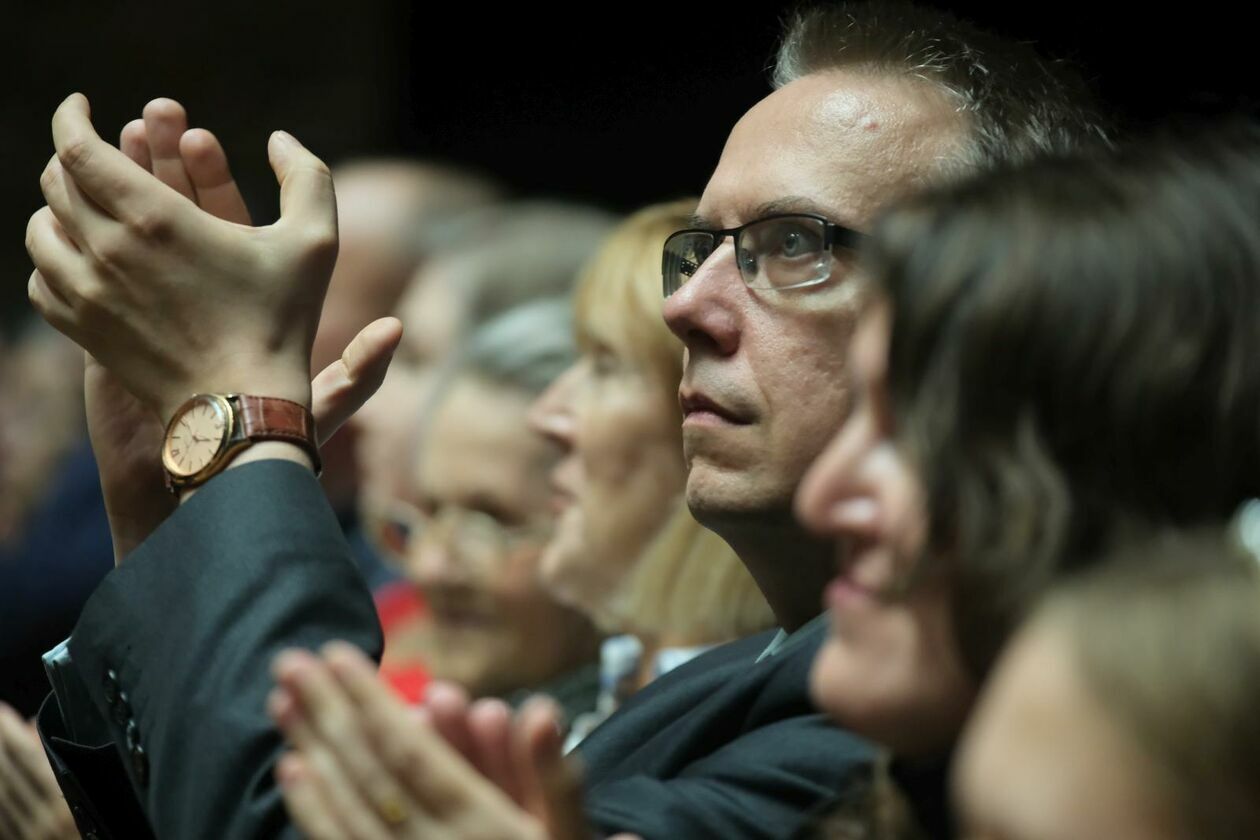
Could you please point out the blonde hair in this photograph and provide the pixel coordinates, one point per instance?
(688, 583)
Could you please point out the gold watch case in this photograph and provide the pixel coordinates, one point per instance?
(197, 438)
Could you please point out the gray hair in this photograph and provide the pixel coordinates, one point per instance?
(506, 255)
(524, 349)
(1021, 105)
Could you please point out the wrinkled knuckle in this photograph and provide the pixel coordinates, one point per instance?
(110, 253)
(154, 224)
(404, 758)
(36, 296)
(92, 297)
(76, 154)
(50, 175)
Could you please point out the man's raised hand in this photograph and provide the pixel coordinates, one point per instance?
(170, 298)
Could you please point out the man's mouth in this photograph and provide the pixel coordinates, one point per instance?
(700, 408)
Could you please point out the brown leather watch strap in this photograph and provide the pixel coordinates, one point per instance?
(271, 418)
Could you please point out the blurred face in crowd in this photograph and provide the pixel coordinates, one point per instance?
(765, 384)
(371, 272)
(384, 428)
(890, 668)
(619, 479)
(1043, 760)
(483, 521)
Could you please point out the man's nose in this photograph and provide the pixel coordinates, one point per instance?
(431, 561)
(704, 311)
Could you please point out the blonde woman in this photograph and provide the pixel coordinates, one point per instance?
(627, 552)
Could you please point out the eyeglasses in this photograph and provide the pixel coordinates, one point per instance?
(786, 251)
(476, 537)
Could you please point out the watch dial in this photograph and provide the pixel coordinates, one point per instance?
(196, 437)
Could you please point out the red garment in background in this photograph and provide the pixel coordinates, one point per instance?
(402, 612)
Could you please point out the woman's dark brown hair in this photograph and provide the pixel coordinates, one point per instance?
(1076, 343)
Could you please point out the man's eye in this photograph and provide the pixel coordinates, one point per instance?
(796, 242)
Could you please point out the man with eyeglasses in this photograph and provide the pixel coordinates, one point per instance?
(871, 101)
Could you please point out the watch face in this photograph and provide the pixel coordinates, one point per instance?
(196, 435)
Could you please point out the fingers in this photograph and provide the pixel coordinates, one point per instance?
(134, 142)
(104, 174)
(78, 215)
(18, 799)
(418, 757)
(50, 305)
(490, 724)
(547, 776)
(206, 163)
(41, 809)
(57, 258)
(448, 706)
(165, 122)
(343, 387)
(336, 722)
(192, 160)
(337, 784)
(305, 799)
(306, 190)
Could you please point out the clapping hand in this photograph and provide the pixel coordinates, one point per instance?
(171, 298)
(127, 434)
(31, 804)
(364, 765)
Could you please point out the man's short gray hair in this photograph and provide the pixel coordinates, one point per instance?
(526, 348)
(1021, 105)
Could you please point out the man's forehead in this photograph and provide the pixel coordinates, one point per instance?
(841, 143)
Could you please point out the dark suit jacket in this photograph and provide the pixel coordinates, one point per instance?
(173, 650)
(722, 747)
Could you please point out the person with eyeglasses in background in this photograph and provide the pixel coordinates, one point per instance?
(728, 745)
(471, 536)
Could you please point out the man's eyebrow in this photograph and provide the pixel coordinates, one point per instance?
(790, 204)
(787, 204)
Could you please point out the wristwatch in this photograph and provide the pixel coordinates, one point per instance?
(209, 430)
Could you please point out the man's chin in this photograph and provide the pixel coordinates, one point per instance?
(719, 495)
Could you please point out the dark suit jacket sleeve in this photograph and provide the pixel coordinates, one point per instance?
(174, 647)
(758, 786)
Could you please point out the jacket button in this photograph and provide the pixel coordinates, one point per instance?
(133, 735)
(111, 686)
(140, 765)
(81, 820)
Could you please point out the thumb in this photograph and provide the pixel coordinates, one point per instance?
(551, 782)
(343, 387)
(306, 188)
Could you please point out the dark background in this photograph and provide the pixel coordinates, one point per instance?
(616, 103)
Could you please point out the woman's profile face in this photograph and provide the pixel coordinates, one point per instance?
(620, 476)
(890, 668)
(1042, 760)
